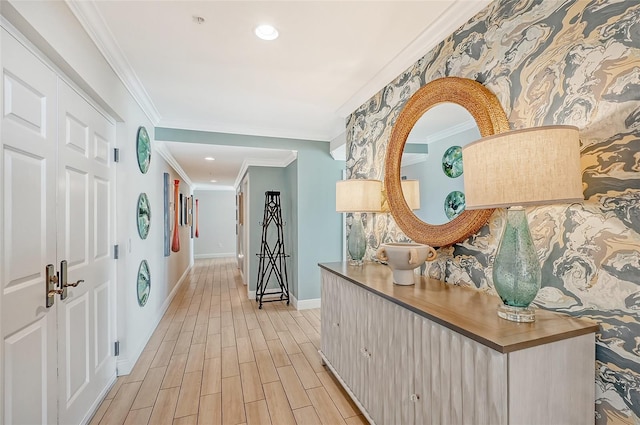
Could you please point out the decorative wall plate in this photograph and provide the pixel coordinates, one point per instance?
(144, 283)
(143, 149)
(454, 204)
(452, 162)
(144, 215)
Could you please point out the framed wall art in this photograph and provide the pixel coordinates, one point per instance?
(175, 238)
(190, 214)
(167, 219)
(185, 201)
(240, 209)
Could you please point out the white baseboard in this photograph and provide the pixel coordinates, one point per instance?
(124, 364)
(222, 255)
(305, 304)
(297, 304)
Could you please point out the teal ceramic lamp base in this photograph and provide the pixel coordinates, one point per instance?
(516, 270)
(357, 243)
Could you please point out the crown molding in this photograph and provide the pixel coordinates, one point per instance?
(338, 147)
(164, 152)
(93, 23)
(448, 132)
(413, 158)
(258, 162)
(453, 18)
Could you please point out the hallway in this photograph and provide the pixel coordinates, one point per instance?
(215, 358)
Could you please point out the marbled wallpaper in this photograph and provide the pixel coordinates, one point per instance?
(571, 62)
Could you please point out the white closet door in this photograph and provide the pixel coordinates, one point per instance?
(85, 239)
(28, 236)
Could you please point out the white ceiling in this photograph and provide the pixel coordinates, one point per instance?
(228, 161)
(330, 58)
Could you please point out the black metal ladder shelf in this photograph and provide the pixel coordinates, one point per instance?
(272, 257)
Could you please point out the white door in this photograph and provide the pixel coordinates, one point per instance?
(28, 236)
(86, 363)
(57, 204)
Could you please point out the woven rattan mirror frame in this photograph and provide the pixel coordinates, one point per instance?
(485, 108)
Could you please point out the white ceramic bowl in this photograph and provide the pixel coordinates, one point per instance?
(402, 258)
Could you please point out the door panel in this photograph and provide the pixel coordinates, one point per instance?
(76, 198)
(24, 237)
(25, 104)
(85, 235)
(101, 239)
(28, 242)
(77, 374)
(22, 354)
(102, 346)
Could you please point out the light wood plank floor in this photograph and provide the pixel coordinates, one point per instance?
(215, 358)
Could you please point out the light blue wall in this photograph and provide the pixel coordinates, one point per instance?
(216, 224)
(319, 228)
(319, 225)
(261, 180)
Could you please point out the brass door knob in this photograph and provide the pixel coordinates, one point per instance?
(73, 285)
(53, 292)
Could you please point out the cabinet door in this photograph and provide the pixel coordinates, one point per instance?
(457, 380)
(345, 331)
(355, 315)
(329, 320)
(369, 369)
(555, 375)
(330, 317)
(389, 354)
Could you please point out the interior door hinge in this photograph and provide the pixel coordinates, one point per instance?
(116, 348)
(116, 155)
(116, 252)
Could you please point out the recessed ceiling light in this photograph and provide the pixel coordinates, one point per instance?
(213, 181)
(210, 158)
(266, 32)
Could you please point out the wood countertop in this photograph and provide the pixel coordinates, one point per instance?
(464, 310)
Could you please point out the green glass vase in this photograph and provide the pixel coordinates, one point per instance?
(516, 269)
(357, 243)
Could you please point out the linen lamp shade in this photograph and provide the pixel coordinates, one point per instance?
(411, 192)
(523, 167)
(358, 195)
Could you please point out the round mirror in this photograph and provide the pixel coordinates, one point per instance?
(489, 118)
(433, 156)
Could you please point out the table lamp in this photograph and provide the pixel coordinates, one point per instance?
(524, 167)
(410, 191)
(357, 196)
